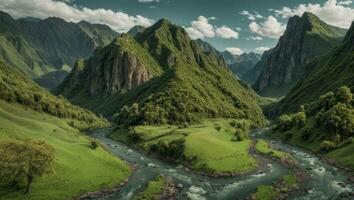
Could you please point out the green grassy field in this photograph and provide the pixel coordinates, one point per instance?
(208, 146)
(78, 169)
(153, 190)
(263, 147)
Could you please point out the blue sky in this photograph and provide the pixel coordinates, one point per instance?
(237, 25)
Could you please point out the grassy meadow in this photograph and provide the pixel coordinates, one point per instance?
(78, 169)
(209, 146)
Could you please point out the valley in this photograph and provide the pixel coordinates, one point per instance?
(97, 103)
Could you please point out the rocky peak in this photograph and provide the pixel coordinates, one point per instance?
(305, 38)
(349, 38)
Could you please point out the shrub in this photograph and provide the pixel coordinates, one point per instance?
(344, 95)
(93, 144)
(327, 146)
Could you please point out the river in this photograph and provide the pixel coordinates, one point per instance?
(327, 182)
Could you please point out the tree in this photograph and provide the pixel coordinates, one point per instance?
(24, 161)
(344, 95)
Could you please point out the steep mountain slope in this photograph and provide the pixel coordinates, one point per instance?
(229, 57)
(37, 47)
(253, 74)
(245, 63)
(305, 38)
(189, 84)
(324, 74)
(52, 79)
(15, 87)
(28, 112)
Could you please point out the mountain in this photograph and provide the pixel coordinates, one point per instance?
(244, 63)
(16, 87)
(37, 47)
(52, 79)
(160, 76)
(229, 57)
(253, 74)
(136, 30)
(324, 74)
(305, 38)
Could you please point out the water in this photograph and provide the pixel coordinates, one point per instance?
(323, 185)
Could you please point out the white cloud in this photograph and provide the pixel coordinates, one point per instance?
(261, 49)
(251, 16)
(271, 28)
(201, 28)
(334, 12)
(119, 21)
(235, 50)
(256, 38)
(148, 1)
(226, 32)
(345, 2)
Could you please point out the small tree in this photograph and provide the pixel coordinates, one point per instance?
(344, 95)
(24, 161)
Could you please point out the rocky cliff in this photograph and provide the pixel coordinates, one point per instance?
(305, 38)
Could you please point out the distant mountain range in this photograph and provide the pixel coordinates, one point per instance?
(37, 47)
(159, 76)
(240, 65)
(282, 67)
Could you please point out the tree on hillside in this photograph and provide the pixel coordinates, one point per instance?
(24, 161)
(344, 95)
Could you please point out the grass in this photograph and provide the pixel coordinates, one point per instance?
(266, 192)
(263, 147)
(270, 192)
(153, 190)
(205, 147)
(78, 169)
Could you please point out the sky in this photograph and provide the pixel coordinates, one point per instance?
(235, 25)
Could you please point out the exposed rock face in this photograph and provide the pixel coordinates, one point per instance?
(123, 73)
(305, 38)
(111, 70)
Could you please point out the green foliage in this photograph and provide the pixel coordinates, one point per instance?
(173, 149)
(24, 161)
(286, 122)
(94, 144)
(153, 189)
(14, 87)
(327, 146)
(344, 95)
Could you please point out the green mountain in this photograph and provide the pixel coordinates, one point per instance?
(17, 88)
(324, 74)
(161, 76)
(305, 38)
(37, 47)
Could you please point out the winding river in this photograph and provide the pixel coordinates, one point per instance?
(327, 182)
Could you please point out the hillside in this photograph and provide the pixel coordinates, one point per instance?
(188, 83)
(323, 75)
(324, 125)
(29, 112)
(37, 47)
(305, 38)
(17, 88)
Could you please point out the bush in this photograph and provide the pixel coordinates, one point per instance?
(327, 146)
(94, 144)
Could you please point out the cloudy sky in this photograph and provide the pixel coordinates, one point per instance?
(236, 25)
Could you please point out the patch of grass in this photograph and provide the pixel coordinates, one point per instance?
(153, 190)
(266, 192)
(78, 168)
(262, 146)
(290, 179)
(205, 148)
